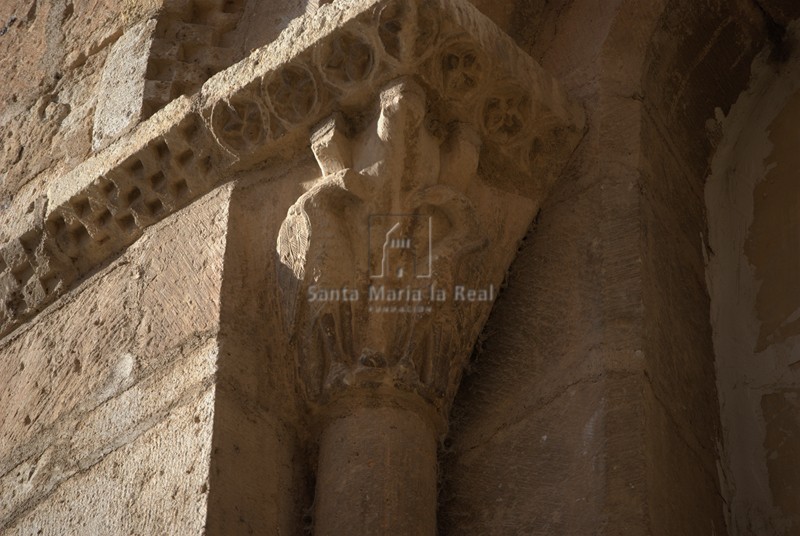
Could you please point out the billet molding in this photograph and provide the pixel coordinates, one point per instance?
(188, 48)
(515, 123)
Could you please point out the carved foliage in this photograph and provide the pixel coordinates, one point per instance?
(326, 242)
(441, 44)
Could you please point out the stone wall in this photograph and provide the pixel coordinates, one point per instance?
(108, 395)
(158, 389)
(53, 53)
(78, 75)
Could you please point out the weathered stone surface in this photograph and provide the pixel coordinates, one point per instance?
(85, 379)
(320, 254)
(422, 197)
(752, 277)
(552, 440)
(122, 85)
(123, 414)
(55, 52)
(261, 476)
(151, 485)
(628, 226)
(377, 455)
(782, 12)
(105, 203)
(591, 407)
(782, 446)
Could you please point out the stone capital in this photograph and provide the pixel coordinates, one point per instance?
(390, 262)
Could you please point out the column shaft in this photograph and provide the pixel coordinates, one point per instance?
(377, 475)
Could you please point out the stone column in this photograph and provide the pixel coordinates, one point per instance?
(389, 262)
(377, 474)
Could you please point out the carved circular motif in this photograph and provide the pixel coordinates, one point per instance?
(506, 114)
(240, 123)
(391, 20)
(347, 60)
(293, 93)
(462, 70)
(427, 29)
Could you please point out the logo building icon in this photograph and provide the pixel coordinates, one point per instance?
(400, 246)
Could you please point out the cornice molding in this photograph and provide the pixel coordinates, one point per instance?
(515, 127)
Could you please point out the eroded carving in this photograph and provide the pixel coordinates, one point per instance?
(106, 216)
(427, 31)
(507, 114)
(292, 92)
(187, 48)
(347, 60)
(392, 20)
(408, 31)
(400, 308)
(179, 156)
(462, 70)
(241, 123)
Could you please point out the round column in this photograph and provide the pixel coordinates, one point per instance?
(377, 474)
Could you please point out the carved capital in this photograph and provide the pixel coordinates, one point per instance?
(389, 264)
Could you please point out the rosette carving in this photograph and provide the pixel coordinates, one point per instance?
(507, 115)
(293, 93)
(388, 265)
(392, 20)
(427, 30)
(463, 69)
(347, 60)
(241, 123)
(407, 31)
(473, 110)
